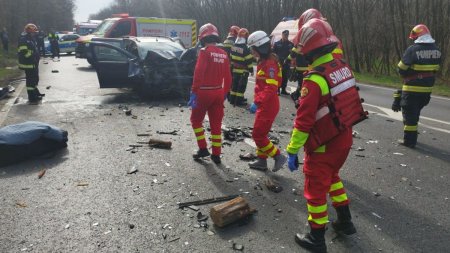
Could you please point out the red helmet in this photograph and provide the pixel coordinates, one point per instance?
(30, 28)
(418, 31)
(243, 33)
(207, 30)
(314, 34)
(234, 30)
(308, 15)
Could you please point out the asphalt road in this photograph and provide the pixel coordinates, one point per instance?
(86, 201)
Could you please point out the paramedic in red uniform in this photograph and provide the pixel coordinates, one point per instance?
(322, 164)
(265, 103)
(212, 81)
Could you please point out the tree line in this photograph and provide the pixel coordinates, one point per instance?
(374, 32)
(47, 14)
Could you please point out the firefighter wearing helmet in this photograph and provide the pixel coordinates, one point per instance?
(266, 103)
(418, 68)
(241, 65)
(228, 43)
(28, 55)
(313, 122)
(211, 83)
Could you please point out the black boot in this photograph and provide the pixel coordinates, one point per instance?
(313, 241)
(203, 152)
(344, 223)
(216, 159)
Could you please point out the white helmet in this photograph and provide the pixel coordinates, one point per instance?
(257, 39)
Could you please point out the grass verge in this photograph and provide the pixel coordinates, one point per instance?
(440, 87)
(8, 66)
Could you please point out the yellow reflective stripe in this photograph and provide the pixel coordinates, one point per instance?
(237, 58)
(226, 44)
(250, 65)
(410, 128)
(339, 198)
(28, 54)
(273, 152)
(26, 66)
(416, 88)
(261, 73)
(433, 67)
(319, 80)
(320, 149)
(322, 59)
(336, 186)
(396, 95)
(198, 130)
(216, 144)
(295, 50)
(272, 81)
(248, 57)
(298, 139)
(22, 48)
(319, 221)
(237, 94)
(289, 57)
(259, 152)
(201, 137)
(301, 68)
(317, 209)
(337, 51)
(31, 88)
(402, 66)
(269, 146)
(216, 136)
(239, 71)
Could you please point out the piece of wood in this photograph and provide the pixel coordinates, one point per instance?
(155, 143)
(231, 211)
(206, 201)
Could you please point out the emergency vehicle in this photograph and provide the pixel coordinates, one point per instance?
(122, 25)
(286, 24)
(85, 28)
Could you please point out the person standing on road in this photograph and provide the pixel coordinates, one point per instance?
(5, 40)
(40, 42)
(28, 56)
(266, 103)
(282, 49)
(228, 43)
(242, 65)
(212, 81)
(418, 68)
(53, 38)
(322, 160)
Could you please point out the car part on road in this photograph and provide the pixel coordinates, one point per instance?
(273, 185)
(174, 132)
(230, 212)
(207, 201)
(155, 143)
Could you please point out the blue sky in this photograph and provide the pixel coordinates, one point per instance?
(87, 7)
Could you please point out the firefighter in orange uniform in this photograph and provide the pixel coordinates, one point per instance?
(212, 81)
(266, 103)
(322, 160)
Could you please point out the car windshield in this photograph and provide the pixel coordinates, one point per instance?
(160, 46)
(104, 27)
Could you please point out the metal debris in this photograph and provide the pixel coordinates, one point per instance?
(207, 201)
(372, 141)
(82, 184)
(174, 239)
(174, 132)
(402, 164)
(194, 208)
(360, 149)
(376, 215)
(55, 71)
(201, 217)
(127, 112)
(41, 173)
(248, 157)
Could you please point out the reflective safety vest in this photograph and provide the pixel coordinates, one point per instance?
(241, 59)
(27, 52)
(340, 109)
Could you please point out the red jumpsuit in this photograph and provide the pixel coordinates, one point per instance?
(321, 166)
(268, 79)
(212, 81)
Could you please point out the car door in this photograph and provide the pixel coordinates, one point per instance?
(116, 68)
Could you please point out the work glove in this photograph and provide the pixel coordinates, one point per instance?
(397, 98)
(192, 100)
(253, 108)
(293, 162)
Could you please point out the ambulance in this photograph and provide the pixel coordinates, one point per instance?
(122, 25)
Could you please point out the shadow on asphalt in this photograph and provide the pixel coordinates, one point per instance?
(410, 230)
(433, 152)
(130, 97)
(34, 165)
(86, 69)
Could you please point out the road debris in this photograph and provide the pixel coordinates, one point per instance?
(107, 232)
(248, 157)
(127, 112)
(48, 87)
(376, 194)
(21, 204)
(132, 170)
(174, 132)
(402, 164)
(230, 211)
(372, 141)
(396, 153)
(376, 215)
(273, 185)
(209, 232)
(201, 217)
(194, 208)
(355, 134)
(143, 134)
(67, 226)
(207, 201)
(360, 149)
(82, 184)
(155, 143)
(238, 247)
(174, 239)
(55, 71)
(41, 173)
